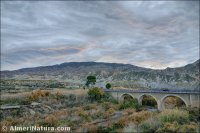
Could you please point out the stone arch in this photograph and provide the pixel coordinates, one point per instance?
(172, 95)
(123, 95)
(141, 98)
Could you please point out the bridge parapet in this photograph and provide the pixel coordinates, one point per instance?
(153, 91)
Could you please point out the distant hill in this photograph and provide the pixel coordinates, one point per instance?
(125, 75)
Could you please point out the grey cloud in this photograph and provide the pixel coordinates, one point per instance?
(135, 32)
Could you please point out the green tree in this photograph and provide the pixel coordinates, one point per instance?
(108, 86)
(95, 94)
(91, 80)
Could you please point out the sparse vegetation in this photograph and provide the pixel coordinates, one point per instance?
(94, 111)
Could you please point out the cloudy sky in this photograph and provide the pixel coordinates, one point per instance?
(153, 34)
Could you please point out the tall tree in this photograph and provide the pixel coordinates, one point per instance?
(91, 80)
(108, 86)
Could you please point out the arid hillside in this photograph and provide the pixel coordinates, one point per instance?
(124, 75)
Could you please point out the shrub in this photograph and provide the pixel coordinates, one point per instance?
(149, 126)
(95, 94)
(169, 128)
(189, 128)
(109, 113)
(140, 116)
(129, 111)
(169, 115)
(10, 121)
(109, 98)
(89, 107)
(61, 113)
(46, 93)
(108, 105)
(194, 114)
(36, 95)
(82, 113)
(120, 124)
(58, 94)
(15, 113)
(92, 129)
(102, 129)
(130, 128)
(72, 97)
(50, 120)
(129, 104)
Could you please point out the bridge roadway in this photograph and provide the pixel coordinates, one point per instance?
(154, 91)
(190, 98)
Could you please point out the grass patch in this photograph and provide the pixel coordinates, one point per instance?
(171, 115)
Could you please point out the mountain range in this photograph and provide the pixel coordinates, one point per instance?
(119, 75)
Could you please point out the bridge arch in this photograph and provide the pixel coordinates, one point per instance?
(172, 95)
(141, 97)
(122, 96)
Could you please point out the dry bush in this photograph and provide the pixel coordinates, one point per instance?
(191, 127)
(37, 94)
(72, 111)
(109, 124)
(171, 115)
(11, 121)
(50, 120)
(111, 110)
(169, 127)
(89, 107)
(150, 125)
(137, 118)
(91, 128)
(129, 111)
(109, 113)
(108, 105)
(98, 115)
(130, 128)
(58, 94)
(61, 114)
(121, 123)
(82, 113)
(46, 93)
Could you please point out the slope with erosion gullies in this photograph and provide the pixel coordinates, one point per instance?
(70, 70)
(125, 75)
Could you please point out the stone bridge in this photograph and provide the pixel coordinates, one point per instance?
(191, 99)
